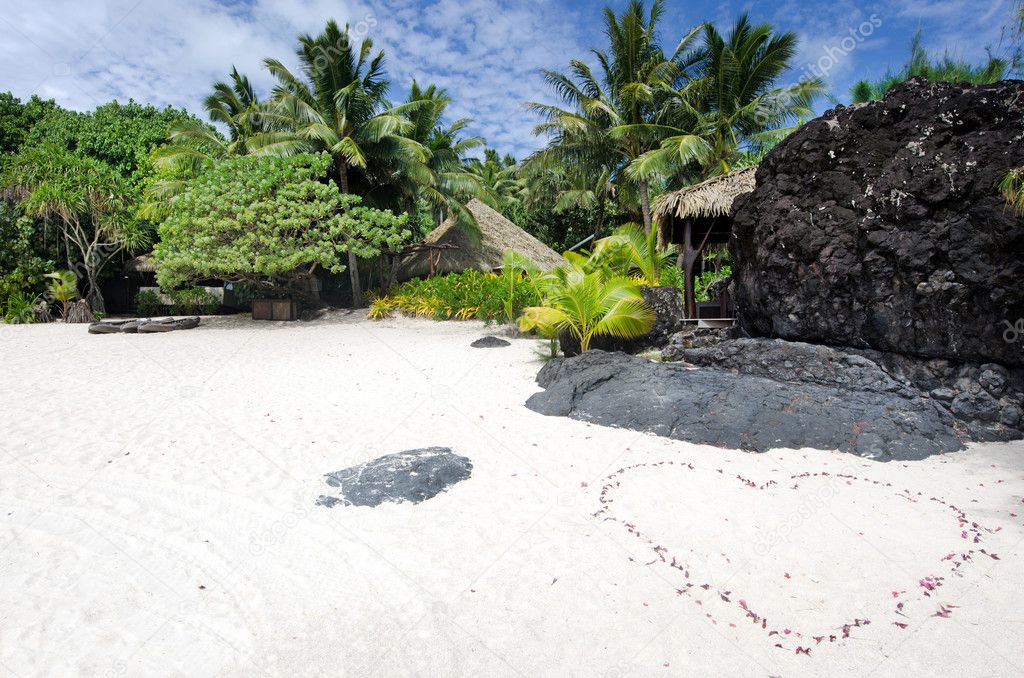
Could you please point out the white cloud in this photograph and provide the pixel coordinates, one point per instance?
(86, 53)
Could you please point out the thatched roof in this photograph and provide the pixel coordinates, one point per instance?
(708, 199)
(141, 264)
(456, 251)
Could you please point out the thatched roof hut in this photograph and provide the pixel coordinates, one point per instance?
(144, 263)
(701, 215)
(451, 250)
(711, 199)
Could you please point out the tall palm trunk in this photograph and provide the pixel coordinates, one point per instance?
(645, 205)
(353, 260)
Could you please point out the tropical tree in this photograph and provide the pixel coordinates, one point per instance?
(922, 65)
(610, 119)
(337, 104)
(442, 179)
(588, 304)
(270, 223)
(730, 109)
(639, 253)
(193, 145)
(88, 201)
(62, 286)
(498, 176)
(17, 119)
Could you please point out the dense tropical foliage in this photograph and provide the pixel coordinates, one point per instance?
(650, 120)
(270, 223)
(326, 174)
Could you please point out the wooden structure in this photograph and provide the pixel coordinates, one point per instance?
(274, 309)
(698, 216)
(450, 249)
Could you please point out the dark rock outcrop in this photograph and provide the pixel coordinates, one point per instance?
(490, 342)
(693, 336)
(669, 309)
(716, 288)
(791, 396)
(881, 227)
(413, 476)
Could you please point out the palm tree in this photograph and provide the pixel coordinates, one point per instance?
(731, 109)
(588, 304)
(639, 252)
(193, 144)
(236, 105)
(614, 114)
(85, 198)
(339, 106)
(921, 65)
(62, 286)
(498, 176)
(443, 180)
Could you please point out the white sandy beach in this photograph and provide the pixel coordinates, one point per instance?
(158, 517)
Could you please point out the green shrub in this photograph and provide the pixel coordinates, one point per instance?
(195, 301)
(461, 296)
(62, 286)
(147, 303)
(673, 276)
(704, 281)
(588, 304)
(20, 308)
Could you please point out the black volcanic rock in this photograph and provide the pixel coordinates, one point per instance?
(881, 226)
(413, 476)
(798, 396)
(490, 342)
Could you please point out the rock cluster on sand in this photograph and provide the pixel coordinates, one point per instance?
(878, 233)
(811, 405)
(881, 226)
(413, 476)
(490, 342)
(984, 401)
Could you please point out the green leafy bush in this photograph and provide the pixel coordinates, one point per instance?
(460, 296)
(588, 304)
(62, 286)
(22, 263)
(195, 301)
(148, 303)
(20, 308)
(269, 222)
(673, 276)
(703, 281)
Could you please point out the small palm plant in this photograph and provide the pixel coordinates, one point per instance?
(589, 304)
(638, 251)
(62, 287)
(517, 270)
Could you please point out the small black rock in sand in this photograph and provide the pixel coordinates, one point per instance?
(490, 342)
(414, 476)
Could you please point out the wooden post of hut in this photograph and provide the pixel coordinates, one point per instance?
(697, 216)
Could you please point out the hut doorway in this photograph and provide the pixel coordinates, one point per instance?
(695, 218)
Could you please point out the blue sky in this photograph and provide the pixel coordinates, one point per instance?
(487, 54)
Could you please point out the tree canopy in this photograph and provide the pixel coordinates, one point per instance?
(269, 222)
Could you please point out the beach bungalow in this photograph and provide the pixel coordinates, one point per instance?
(698, 216)
(449, 249)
